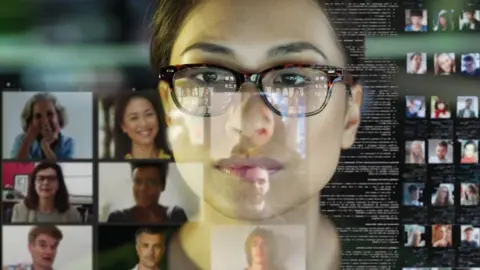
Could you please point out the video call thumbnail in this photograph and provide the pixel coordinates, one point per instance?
(442, 236)
(440, 108)
(42, 125)
(414, 235)
(60, 247)
(47, 192)
(471, 64)
(443, 195)
(416, 20)
(415, 106)
(245, 247)
(132, 126)
(148, 191)
(469, 151)
(415, 152)
(469, 20)
(470, 237)
(416, 63)
(469, 194)
(413, 194)
(132, 247)
(440, 151)
(467, 107)
(444, 63)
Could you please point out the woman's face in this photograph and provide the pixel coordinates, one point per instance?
(470, 150)
(443, 194)
(417, 147)
(140, 121)
(244, 39)
(442, 20)
(46, 183)
(259, 251)
(445, 62)
(45, 118)
(441, 106)
(146, 186)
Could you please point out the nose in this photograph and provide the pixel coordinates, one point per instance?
(250, 115)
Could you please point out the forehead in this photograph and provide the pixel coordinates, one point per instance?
(138, 102)
(155, 238)
(146, 172)
(45, 238)
(43, 104)
(252, 27)
(47, 171)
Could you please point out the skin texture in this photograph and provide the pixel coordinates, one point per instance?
(243, 28)
(46, 184)
(140, 123)
(43, 251)
(150, 250)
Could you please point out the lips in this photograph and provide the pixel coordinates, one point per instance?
(252, 169)
(145, 133)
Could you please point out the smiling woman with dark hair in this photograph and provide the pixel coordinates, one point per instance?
(138, 131)
(47, 198)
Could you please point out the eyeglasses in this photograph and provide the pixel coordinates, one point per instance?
(288, 90)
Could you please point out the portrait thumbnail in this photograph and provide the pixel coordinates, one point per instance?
(47, 247)
(443, 195)
(467, 107)
(415, 268)
(469, 151)
(443, 21)
(132, 247)
(444, 63)
(147, 191)
(132, 125)
(470, 20)
(471, 64)
(440, 151)
(415, 152)
(413, 194)
(416, 20)
(414, 235)
(470, 236)
(44, 125)
(469, 195)
(416, 63)
(415, 106)
(442, 236)
(440, 108)
(47, 192)
(254, 247)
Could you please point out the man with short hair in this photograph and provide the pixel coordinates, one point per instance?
(471, 68)
(469, 242)
(416, 18)
(150, 246)
(441, 154)
(467, 111)
(43, 241)
(471, 23)
(413, 196)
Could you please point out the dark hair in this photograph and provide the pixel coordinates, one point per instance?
(123, 143)
(62, 202)
(468, 58)
(468, 229)
(442, 102)
(468, 100)
(415, 54)
(162, 168)
(416, 12)
(268, 237)
(473, 188)
(443, 144)
(170, 15)
(148, 230)
(470, 142)
(412, 188)
(50, 230)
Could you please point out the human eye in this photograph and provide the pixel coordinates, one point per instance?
(208, 77)
(291, 79)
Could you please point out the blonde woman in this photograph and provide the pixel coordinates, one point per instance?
(443, 197)
(444, 64)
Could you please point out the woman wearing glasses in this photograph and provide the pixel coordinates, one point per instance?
(293, 47)
(47, 198)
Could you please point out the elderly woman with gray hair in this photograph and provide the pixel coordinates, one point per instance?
(43, 118)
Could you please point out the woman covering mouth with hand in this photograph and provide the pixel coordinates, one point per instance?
(137, 132)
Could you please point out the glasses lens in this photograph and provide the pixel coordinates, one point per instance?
(296, 90)
(204, 90)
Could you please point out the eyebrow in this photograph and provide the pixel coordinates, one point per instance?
(284, 49)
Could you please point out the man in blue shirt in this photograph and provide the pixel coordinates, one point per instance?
(416, 18)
